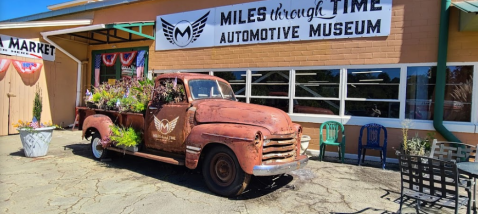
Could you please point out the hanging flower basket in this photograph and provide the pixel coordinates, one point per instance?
(36, 141)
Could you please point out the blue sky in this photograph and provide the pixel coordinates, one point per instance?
(17, 8)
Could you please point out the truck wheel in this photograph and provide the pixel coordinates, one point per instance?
(98, 153)
(223, 174)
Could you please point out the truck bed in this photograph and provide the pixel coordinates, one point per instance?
(126, 119)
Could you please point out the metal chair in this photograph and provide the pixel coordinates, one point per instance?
(431, 180)
(456, 152)
(373, 142)
(453, 151)
(332, 130)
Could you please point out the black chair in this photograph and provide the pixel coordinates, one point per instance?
(433, 181)
(458, 152)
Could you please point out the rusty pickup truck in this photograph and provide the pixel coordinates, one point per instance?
(230, 140)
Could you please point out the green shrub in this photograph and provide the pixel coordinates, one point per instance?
(125, 136)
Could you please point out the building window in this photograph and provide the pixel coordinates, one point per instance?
(373, 92)
(237, 80)
(270, 88)
(421, 93)
(317, 92)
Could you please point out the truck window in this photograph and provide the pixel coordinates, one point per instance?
(164, 92)
(210, 89)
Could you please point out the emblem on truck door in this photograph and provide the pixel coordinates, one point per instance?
(165, 126)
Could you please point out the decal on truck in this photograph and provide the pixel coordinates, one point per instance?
(165, 126)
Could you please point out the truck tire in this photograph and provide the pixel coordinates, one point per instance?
(223, 174)
(98, 154)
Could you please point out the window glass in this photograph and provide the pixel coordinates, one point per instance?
(372, 109)
(375, 83)
(330, 107)
(270, 83)
(317, 83)
(282, 104)
(210, 89)
(237, 80)
(421, 93)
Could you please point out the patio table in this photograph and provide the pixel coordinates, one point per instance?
(470, 169)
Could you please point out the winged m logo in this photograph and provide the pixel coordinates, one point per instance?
(184, 33)
(165, 126)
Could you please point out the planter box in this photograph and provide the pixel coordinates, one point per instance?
(36, 141)
(129, 148)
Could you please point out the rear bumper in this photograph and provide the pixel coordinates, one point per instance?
(268, 170)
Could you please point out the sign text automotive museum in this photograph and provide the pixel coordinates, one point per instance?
(274, 21)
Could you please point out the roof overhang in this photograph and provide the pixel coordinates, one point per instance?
(11, 25)
(108, 33)
(468, 15)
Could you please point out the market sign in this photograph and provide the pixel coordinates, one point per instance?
(14, 46)
(274, 21)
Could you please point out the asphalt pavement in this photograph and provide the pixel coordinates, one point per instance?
(69, 180)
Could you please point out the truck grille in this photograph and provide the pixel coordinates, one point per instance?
(279, 150)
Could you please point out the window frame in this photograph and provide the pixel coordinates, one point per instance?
(464, 127)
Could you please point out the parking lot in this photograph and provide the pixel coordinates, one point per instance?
(68, 180)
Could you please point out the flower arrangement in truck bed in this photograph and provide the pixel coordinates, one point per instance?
(127, 95)
(131, 95)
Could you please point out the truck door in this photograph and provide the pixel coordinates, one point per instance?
(165, 124)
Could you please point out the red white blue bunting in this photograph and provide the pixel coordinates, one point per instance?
(127, 57)
(4, 64)
(27, 67)
(109, 59)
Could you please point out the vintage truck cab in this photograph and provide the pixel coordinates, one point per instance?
(230, 140)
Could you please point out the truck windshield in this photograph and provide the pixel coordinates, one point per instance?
(210, 89)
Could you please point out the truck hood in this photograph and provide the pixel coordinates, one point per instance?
(226, 111)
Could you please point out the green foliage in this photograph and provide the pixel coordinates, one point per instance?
(127, 137)
(37, 104)
(96, 97)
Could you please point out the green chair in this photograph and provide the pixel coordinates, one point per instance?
(331, 138)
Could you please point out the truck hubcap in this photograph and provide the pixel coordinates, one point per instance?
(94, 147)
(222, 169)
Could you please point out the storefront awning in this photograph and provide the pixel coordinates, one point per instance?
(468, 15)
(467, 6)
(108, 33)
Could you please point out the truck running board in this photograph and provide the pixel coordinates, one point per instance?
(150, 156)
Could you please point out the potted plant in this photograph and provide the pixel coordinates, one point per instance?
(416, 145)
(35, 136)
(125, 138)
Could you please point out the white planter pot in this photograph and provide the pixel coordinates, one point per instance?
(36, 141)
(304, 143)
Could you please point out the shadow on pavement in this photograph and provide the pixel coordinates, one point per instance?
(180, 175)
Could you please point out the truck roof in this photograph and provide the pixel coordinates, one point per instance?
(188, 76)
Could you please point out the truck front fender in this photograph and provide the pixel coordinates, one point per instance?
(97, 123)
(245, 141)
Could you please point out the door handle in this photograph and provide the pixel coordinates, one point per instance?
(11, 95)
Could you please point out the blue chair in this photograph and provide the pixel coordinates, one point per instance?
(373, 142)
(332, 138)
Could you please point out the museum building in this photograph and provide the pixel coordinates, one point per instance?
(389, 62)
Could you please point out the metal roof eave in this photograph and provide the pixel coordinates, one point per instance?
(103, 29)
(56, 23)
(467, 6)
(70, 10)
